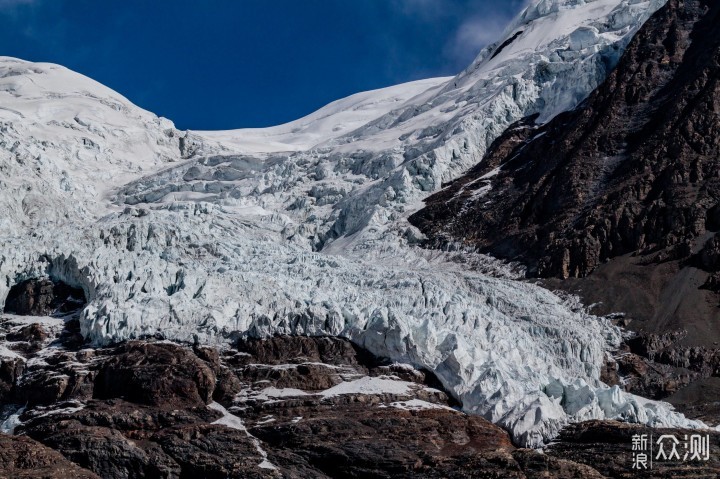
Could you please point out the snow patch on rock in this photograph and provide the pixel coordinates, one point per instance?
(369, 385)
(232, 421)
(417, 405)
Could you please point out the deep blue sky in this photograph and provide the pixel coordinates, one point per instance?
(214, 64)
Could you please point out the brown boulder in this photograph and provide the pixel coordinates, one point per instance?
(295, 349)
(30, 333)
(24, 458)
(43, 297)
(158, 374)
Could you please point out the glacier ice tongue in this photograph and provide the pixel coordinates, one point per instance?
(199, 238)
(511, 351)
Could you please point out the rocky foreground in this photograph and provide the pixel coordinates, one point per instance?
(282, 407)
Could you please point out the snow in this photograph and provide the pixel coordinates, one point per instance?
(418, 405)
(334, 120)
(200, 237)
(13, 323)
(266, 420)
(48, 322)
(12, 421)
(65, 410)
(6, 353)
(369, 385)
(272, 393)
(364, 385)
(228, 419)
(232, 421)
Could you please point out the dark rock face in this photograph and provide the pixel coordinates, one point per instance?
(663, 349)
(709, 256)
(117, 439)
(42, 297)
(290, 349)
(365, 441)
(634, 169)
(212, 451)
(285, 404)
(155, 374)
(141, 410)
(290, 408)
(659, 367)
(607, 447)
(21, 457)
(10, 370)
(30, 333)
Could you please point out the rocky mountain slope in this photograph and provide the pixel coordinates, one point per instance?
(292, 407)
(632, 170)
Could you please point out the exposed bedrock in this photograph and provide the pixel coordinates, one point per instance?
(291, 407)
(155, 374)
(24, 458)
(146, 409)
(43, 297)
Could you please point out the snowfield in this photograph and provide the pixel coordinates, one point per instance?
(332, 121)
(301, 228)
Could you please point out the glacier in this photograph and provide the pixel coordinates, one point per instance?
(204, 237)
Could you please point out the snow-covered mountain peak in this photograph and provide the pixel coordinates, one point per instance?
(565, 47)
(550, 46)
(68, 141)
(47, 95)
(40, 81)
(333, 120)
